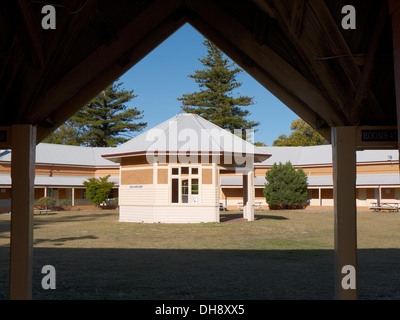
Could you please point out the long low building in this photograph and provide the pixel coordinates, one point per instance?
(378, 178)
(62, 169)
(60, 172)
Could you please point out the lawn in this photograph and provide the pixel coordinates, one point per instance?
(280, 255)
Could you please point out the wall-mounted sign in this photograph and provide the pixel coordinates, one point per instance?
(374, 138)
(136, 186)
(379, 135)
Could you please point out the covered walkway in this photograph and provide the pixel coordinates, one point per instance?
(344, 82)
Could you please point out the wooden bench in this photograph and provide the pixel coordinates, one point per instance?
(258, 205)
(385, 206)
(41, 208)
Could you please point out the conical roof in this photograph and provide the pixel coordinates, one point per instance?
(186, 133)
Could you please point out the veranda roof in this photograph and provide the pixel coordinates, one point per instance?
(55, 181)
(363, 180)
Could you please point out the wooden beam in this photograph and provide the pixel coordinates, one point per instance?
(263, 77)
(363, 90)
(282, 72)
(261, 26)
(102, 58)
(101, 26)
(35, 34)
(394, 9)
(12, 65)
(322, 38)
(109, 73)
(265, 7)
(69, 21)
(296, 17)
(56, 51)
(21, 242)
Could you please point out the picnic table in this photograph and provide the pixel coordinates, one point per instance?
(41, 208)
(257, 205)
(382, 206)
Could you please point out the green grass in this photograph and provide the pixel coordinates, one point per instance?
(280, 255)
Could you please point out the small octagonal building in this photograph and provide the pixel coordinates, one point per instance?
(171, 173)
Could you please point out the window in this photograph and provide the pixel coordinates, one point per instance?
(83, 193)
(195, 191)
(185, 191)
(185, 186)
(175, 191)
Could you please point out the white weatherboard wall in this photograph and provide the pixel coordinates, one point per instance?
(151, 203)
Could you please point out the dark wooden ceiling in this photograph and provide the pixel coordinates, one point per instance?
(297, 49)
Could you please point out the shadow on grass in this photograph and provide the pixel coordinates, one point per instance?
(5, 224)
(226, 217)
(61, 241)
(272, 217)
(204, 274)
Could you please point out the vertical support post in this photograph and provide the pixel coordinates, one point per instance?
(23, 145)
(73, 197)
(394, 9)
(379, 195)
(245, 194)
(345, 211)
(216, 183)
(319, 197)
(250, 195)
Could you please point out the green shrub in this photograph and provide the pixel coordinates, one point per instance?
(98, 189)
(65, 202)
(286, 187)
(113, 203)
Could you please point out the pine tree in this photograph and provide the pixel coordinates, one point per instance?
(105, 122)
(286, 187)
(215, 101)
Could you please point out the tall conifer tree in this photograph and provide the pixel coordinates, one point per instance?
(215, 101)
(105, 122)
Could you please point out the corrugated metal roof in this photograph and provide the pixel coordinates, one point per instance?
(47, 153)
(313, 155)
(65, 154)
(183, 133)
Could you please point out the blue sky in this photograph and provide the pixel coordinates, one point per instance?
(162, 76)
